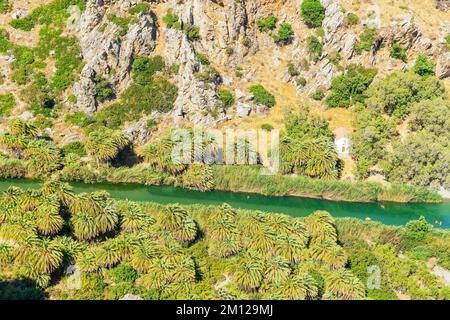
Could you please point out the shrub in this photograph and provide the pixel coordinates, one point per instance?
(366, 40)
(151, 123)
(262, 96)
(284, 34)
(193, 33)
(424, 66)
(229, 51)
(318, 95)
(7, 103)
(226, 97)
(172, 20)
(352, 19)
(398, 52)
(301, 81)
(79, 118)
(76, 147)
(349, 88)
(314, 47)
(267, 127)
(313, 12)
(292, 70)
(202, 58)
(5, 6)
(139, 8)
(267, 24)
(120, 22)
(417, 229)
(103, 89)
(144, 68)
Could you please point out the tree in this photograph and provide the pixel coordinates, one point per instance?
(249, 274)
(424, 66)
(344, 285)
(262, 96)
(284, 35)
(104, 144)
(314, 47)
(313, 12)
(350, 87)
(277, 269)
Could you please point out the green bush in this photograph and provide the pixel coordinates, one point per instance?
(7, 103)
(172, 20)
(144, 68)
(139, 8)
(313, 12)
(352, 19)
(292, 70)
(417, 230)
(229, 51)
(318, 95)
(202, 58)
(121, 22)
(79, 118)
(398, 52)
(76, 147)
(424, 66)
(349, 88)
(103, 89)
(267, 24)
(366, 40)
(301, 81)
(267, 127)
(5, 6)
(314, 47)
(284, 35)
(262, 96)
(193, 33)
(226, 97)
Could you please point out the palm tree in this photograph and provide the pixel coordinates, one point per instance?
(298, 287)
(197, 177)
(48, 219)
(84, 226)
(344, 285)
(30, 271)
(159, 155)
(320, 226)
(6, 254)
(133, 218)
(104, 144)
(249, 274)
(143, 254)
(172, 217)
(291, 247)
(63, 191)
(46, 255)
(329, 253)
(184, 270)
(19, 127)
(277, 269)
(108, 253)
(87, 260)
(187, 230)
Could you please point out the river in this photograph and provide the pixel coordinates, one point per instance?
(387, 212)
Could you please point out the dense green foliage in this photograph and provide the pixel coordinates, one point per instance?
(314, 47)
(284, 35)
(366, 40)
(267, 24)
(352, 19)
(307, 147)
(262, 96)
(421, 156)
(350, 87)
(226, 97)
(313, 12)
(5, 6)
(7, 103)
(424, 66)
(398, 52)
(54, 12)
(176, 252)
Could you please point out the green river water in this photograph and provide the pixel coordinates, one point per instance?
(387, 213)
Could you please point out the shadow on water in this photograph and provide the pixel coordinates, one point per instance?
(387, 213)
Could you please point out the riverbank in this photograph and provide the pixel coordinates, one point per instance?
(249, 179)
